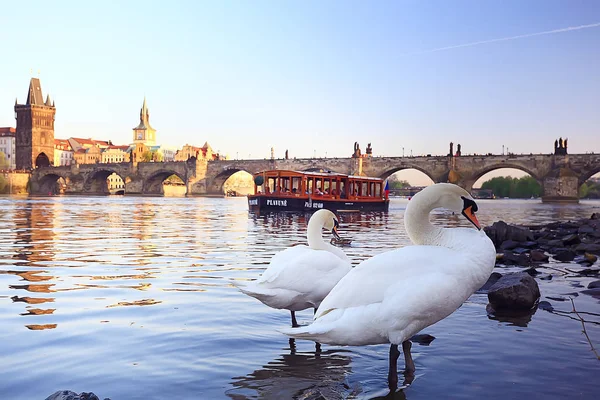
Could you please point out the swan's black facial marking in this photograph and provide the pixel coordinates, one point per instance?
(469, 210)
(336, 225)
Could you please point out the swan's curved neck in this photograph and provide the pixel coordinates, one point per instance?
(315, 236)
(416, 220)
(316, 241)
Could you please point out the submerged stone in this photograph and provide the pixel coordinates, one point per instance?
(514, 291)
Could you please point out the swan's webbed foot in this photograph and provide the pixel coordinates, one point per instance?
(393, 368)
(294, 322)
(409, 365)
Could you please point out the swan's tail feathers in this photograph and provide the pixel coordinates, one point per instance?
(308, 332)
(253, 290)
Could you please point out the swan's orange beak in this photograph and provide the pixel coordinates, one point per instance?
(470, 215)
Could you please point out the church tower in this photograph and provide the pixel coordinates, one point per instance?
(34, 136)
(143, 133)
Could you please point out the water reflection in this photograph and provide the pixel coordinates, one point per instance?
(297, 375)
(80, 272)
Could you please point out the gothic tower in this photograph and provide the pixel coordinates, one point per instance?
(143, 133)
(34, 136)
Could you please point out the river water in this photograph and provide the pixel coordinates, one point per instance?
(130, 297)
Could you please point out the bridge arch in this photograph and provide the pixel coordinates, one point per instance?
(469, 182)
(217, 184)
(588, 174)
(96, 182)
(154, 183)
(42, 160)
(392, 171)
(50, 184)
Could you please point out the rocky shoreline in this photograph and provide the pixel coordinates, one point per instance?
(533, 247)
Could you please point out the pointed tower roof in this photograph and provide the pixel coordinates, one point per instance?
(48, 102)
(144, 117)
(34, 97)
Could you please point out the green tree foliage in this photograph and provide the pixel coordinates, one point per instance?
(590, 190)
(507, 186)
(147, 156)
(395, 183)
(4, 164)
(3, 184)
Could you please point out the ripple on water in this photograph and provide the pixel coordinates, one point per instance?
(132, 298)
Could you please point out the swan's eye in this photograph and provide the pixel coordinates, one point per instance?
(469, 203)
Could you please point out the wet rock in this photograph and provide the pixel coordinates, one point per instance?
(582, 260)
(529, 244)
(69, 395)
(594, 285)
(545, 277)
(565, 255)
(500, 231)
(515, 259)
(586, 229)
(591, 257)
(422, 339)
(538, 256)
(545, 305)
(520, 250)
(490, 282)
(592, 248)
(555, 243)
(514, 291)
(592, 292)
(508, 245)
(532, 271)
(595, 216)
(571, 240)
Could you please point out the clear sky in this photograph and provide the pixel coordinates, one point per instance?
(313, 76)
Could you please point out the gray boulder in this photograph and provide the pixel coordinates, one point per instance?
(69, 395)
(514, 291)
(500, 232)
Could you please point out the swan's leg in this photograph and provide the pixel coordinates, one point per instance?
(317, 344)
(408, 361)
(292, 343)
(393, 368)
(294, 322)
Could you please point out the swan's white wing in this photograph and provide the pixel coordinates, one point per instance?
(370, 280)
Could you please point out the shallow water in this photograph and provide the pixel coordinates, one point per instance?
(129, 297)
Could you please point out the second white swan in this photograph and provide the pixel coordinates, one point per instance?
(392, 296)
(301, 276)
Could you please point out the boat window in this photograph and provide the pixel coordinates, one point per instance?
(296, 187)
(309, 185)
(377, 189)
(334, 191)
(326, 186)
(365, 188)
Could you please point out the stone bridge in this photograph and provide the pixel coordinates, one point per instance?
(559, 175)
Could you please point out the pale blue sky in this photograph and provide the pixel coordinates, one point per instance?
(312, 76)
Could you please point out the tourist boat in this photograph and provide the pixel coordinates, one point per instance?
(283, 190)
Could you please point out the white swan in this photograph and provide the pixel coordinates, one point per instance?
(301, 276)
(392, 296)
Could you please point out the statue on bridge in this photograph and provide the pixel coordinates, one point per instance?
(458, 153)
(560, 147)
(451, 149)
(356, 150)
(369, 150)
(286, 154)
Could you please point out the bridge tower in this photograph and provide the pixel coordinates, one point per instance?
(34, 136)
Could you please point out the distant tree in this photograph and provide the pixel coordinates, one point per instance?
(507, 186)
(4, 164)
(590, 190)
(147, 156)
(157, 156)
(396, 183)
